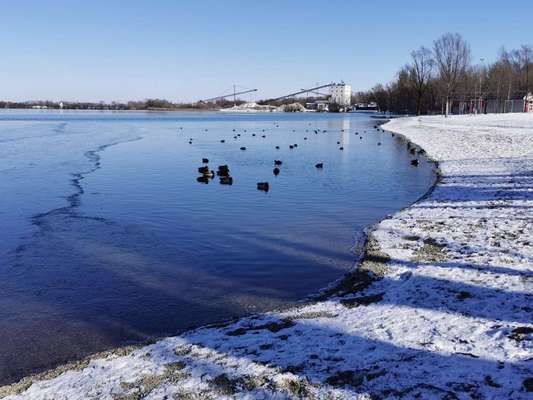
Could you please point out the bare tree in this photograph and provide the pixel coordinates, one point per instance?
(428, 84)
(526, 55)
(452, 55)
(420, 72)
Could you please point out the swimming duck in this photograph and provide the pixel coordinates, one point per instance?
(223, 170)
(263, 186)
(226, 180)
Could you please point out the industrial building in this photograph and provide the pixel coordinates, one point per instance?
(341, 94)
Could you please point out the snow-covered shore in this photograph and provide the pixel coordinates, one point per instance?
(441, 306)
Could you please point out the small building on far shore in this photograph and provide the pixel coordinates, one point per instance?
(318, 105)
(372, 106)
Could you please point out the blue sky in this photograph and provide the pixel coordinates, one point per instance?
(179, 50)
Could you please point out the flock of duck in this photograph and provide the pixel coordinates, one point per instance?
(223, 171)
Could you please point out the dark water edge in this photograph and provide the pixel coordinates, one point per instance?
(95, 234)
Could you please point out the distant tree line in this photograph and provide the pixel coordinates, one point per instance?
(437, 77)
(148, 104)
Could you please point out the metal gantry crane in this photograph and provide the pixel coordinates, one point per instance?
(316, 93)
(234, 95)
(311, 90)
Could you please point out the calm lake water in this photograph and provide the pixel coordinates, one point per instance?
(107, 238)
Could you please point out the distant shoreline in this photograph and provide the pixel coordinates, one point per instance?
(86, 109)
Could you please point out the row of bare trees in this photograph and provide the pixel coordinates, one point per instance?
(437, 77)
(148, 104)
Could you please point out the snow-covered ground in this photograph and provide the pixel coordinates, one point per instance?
(441, 307)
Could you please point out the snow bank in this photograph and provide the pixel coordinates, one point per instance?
(440, 308)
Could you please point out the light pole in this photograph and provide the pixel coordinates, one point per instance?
(481, 72)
